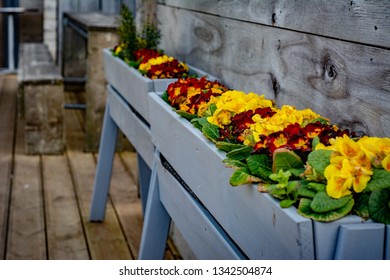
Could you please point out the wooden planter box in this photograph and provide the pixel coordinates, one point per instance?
(132, 85)
(254, 220)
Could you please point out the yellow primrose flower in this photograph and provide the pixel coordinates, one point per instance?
(339, 179)
(221, 117)
(347, 147)
(376, 149)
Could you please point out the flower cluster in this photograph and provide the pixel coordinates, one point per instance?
(192, 95)
(295, 155)
(140, 50)
(351, 163)
(163, 67)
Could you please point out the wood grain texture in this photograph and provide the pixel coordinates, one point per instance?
(366, 22)
(26, 229)
(65, 233)
(346, 82)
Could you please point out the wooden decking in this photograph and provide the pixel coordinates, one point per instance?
(45, 199)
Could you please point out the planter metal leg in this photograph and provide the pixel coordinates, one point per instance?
(104, 167)
(156, 224)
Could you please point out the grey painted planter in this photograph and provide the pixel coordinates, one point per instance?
(255, 220)
(132, 85)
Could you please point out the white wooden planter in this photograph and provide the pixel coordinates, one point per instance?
(132, 85)
(253, 220)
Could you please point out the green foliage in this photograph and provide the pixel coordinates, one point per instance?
(130, 40)
(242, 176)
(322, 203)
(284, 159)
(240, 153)
(211, 131)
(379, 206)
(306, 211)
(319, 160)
(150, 36)
(260, 165)
(186, 115)
(127, 33)
(227, 146)
(380, 180)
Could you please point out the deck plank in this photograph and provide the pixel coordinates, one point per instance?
(124, 196)
(106, 239)
(7, 125)
(26, 230)
(65, 234)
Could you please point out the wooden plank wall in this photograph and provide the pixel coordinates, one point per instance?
(332, 56)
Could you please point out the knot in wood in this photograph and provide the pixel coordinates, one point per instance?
(330, 69)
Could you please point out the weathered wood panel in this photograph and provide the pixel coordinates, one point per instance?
(358, 20)
(346, 82)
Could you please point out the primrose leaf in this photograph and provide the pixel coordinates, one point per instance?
(379, 206)
(260, 166)
(164, 97)
(233, 163)
(186, 115)
(361, 207)
(380, 180)
(240, 153)
(211, 131)
(284, 159)
(227, 146)
(241, 177)
(281, 177)
(305, 210)
(287, 203)
(323, 203)
(318, 187)
(305, 191)
(319, 160)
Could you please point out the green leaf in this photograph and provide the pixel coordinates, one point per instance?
(232, 163)
(361, 207)
(319, 160)
(242, 177)
(240, 153)
(164, 97)
(305, 210)
(305, 191)
(379, 206)
(284, 159)
(317, 187)
(315, 142)
(211, 131)
(227, 146)
(287, 203)
(282, 177)
(380, 179)
(186, 115)
(323, 203)
(260, 166)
